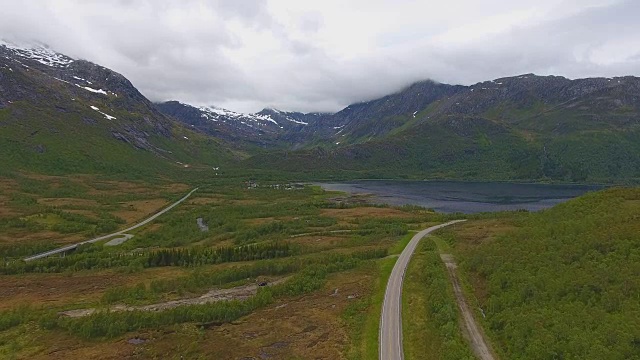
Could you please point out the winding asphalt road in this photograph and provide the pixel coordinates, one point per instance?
(73, 246)
(391, 317)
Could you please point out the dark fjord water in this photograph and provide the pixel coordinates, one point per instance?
(465, 197)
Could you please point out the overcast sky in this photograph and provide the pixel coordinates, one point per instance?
(323, 55)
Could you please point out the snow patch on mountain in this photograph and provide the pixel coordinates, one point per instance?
(90, 89)
(250, 120)
(97, 91)
(81, 79)
(107, 116)
(284, 115)
(297, 121)
(38, 52)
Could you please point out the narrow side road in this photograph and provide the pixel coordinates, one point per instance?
(142, 223)
(391, 316)
(477, 341)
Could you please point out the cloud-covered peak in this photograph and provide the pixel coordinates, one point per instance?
(322, 56)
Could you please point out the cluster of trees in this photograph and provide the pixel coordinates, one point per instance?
(201, 256)
(389, 227)
(434, 328)
(565, 284)
(11, 251)
(279, 228)
(111, 324)
(93, 257)
(198, 281)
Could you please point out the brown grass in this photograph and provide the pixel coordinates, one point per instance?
(62, 202)
(246, 202)
(50, 345)
(177, 188)
(5, 209)
(133, 211)
(305, 327)
(266, 220)
(477, 232)
(205, 201)
(20, 236)
(74, 288)
(366, 212)
(8, 184)
(318, 241)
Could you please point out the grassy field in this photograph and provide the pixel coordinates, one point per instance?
(430, 316)
(327, 262)
(363, 316)
(556, 284)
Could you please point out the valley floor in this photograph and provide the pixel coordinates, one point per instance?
(306, 272)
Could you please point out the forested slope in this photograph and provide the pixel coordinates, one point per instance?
(565, 284)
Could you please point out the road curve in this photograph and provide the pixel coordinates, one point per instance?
(390, 335)
(104, 237)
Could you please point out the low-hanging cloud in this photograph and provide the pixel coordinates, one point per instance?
(322, 56)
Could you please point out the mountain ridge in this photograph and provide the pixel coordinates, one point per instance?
(525, 127)
(59, 114)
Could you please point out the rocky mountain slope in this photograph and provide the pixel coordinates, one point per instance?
(271, 127)
(525, 127)
(59, 114)
(267, 128)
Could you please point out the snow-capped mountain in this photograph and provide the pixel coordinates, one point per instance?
(264, 127)
(37, 52)
(61, 101)
(356, 123)
(287, 117)
(257, 121)
(81, 74)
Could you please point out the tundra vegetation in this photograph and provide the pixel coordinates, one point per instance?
(297, 240)
(561, 283)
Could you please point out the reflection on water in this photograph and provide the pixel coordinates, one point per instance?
(465, 197)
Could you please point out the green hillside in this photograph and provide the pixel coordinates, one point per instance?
(538, 129)
(563, 283)
(49, 125)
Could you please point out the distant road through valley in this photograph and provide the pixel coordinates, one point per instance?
(104, 237)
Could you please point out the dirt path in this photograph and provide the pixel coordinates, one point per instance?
(479, 345)
(237, 293)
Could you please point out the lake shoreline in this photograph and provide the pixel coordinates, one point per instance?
(462, 196)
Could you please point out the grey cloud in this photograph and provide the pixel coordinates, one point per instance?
(185, 50)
